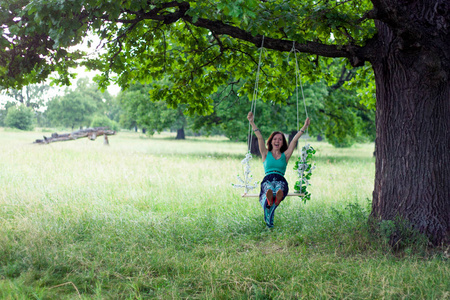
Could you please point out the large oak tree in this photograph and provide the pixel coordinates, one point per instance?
(198, 46)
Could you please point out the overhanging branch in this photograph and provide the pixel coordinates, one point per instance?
(354, 53)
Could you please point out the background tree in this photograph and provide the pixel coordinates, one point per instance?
(104, 121)
(4, 112)
(103, 100)
(31, 95)
(20, 117)
(155, 116)
(113, 109)
(71, 110)
(343, 115)
(79, 106)
(205, 44)
(34, 96)
(336, 109)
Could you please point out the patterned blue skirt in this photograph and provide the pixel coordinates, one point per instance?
(274, 182)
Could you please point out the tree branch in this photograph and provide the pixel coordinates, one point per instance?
(354, 53)
(345, 76)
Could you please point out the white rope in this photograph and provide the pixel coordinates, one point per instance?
(298, 79)
(255, 97)
(245, 183)
(302, 164)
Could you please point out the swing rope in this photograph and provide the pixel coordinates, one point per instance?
(302, 165)
(246, 161)
(245, 183)
(255, 97)
(298, 79)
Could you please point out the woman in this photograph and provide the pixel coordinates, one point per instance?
(275, 158)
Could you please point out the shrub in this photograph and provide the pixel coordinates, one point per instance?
(20, 117)
(104, 121)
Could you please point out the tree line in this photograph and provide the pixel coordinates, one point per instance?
(339, 115)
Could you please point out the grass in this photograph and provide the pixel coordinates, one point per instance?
(156, 218)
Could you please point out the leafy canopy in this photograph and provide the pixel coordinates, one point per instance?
(185, 49)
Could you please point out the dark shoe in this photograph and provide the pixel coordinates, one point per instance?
(269, 196)
(279, 197)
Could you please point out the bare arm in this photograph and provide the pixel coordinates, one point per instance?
(290, 150)
(261, 144)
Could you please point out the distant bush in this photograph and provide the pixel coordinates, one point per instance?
(20, 117)
(104, 121)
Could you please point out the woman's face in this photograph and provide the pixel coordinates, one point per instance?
(277, 141)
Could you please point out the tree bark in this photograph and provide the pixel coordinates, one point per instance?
(412, 179)
(180, 134)
(291, 137)
(90, 133)
(254, 147)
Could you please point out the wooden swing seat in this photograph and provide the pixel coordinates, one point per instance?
(288, 195)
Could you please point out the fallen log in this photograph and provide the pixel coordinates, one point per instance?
(90, 133)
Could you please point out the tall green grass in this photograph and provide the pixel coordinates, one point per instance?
(157, 218)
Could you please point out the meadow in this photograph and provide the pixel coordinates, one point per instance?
(157, 218)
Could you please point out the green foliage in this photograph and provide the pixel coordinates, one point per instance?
(333, 107)
(364, 82)
(104, 121)
(190, 66)
(31, 95)
(4, 112)
(341, 117)
(20, 117)
(77, 107)
(71, 110)
(139, 107)
(304, 167)
(335, 111)
(151, 43)
(113, 109)
(399, 234)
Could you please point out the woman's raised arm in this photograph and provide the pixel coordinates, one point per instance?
(261, 144)
(290, 150)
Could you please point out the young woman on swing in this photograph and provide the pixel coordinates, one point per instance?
(275, 158)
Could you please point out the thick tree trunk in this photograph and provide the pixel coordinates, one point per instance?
(180, 134)
(412, 180)
(254, 147)
(291, 137)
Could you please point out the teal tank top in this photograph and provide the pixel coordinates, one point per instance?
(272, 165)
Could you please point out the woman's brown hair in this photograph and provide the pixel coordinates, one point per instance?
(269, 141)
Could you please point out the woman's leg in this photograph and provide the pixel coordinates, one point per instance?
(274, 183)
(269, 197)
(282, 188)
(265, 194)
(279, 197)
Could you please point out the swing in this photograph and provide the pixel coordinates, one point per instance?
(288, 195)
(301, 165)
